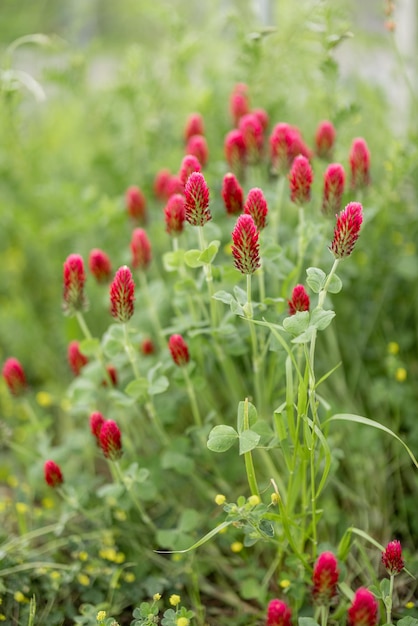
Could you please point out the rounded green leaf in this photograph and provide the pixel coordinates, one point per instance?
(221, 438)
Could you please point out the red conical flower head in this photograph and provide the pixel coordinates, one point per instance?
(198, 147)
(278, 614)
(110, 440)
(122, 295)
(135, 203)
(232, 194)
(360, 164)
(334, 180)
(196, 192)
(161, 184)
(325, 579)
(300, 180)
(140, 249)
(364, 610)
(194, 126)
(299, 301)
(325, 139)
(252, 132)
(74, 279)
(347, 230)
(392, 558)
(96, 422)
(235, 152)
(239, 102)
(286, 143)
(14, 376)
(179, 350)
(175, 214)
(100, 265)
(256, 206)
(189, 164)
(262, 117)
(53, 474)
(76, 359)
(245, 246)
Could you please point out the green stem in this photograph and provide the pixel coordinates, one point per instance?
(249, 465)
(83, 325)
(192, 398)
(209, 281)
(276, 214)
(120, 477)
(388, 600)
(254, 345)
(153, 316)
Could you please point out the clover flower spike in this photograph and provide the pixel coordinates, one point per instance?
(359, 163)
(14, 376)
(76, 359)
(300, 180)
(325, 139)
(53, 474)
(347, 230)
(197, 146)
(364, 610)
(161, 184)
(325, 578)
(194, 126)
(286, 143)
(122, 295)
(239, 102)
(140, 249)
(232, 194)
(235, 151)
(262, 117)
(179, 350)
(189, 164)
(110, 440)
(136, 203)
(100, 265)
(252, 132)
(74, 280)
(299, 301)
(96, 422)
(256, 206)
(245, 246)
(392, 558)
(196, 192)
(278, 613)
(334, 181)
(175, 214)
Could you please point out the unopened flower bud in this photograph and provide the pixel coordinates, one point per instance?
(110, 440)
(278, 614)
(194, 126)
(347, 230)
(325, 139)
(392, 558)
(359, 163)
(198, 147)
(245, 246)
(300, 180)
(175, 214)
(53, 474)
(196, 192)
(140, 249)
(334, 180)
(232, 194)
(76, 359)
(100, 265)
(179, 350)
(14, 376)
(256, 206)
(147, 347)
(364, 610)
(325, 579)
(299, 301)
(189, 164)
(96, 422)
(122, 295)
(74, 280)
(135, 203)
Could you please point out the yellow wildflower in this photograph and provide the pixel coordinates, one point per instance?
(21, 508)
(101, 616)
(129, 577)
(401, 374)
(220, 499)
(2, 617)
(254, 500)
(156, 597)
(393, 347)
(174, 599)
(237, 546)
(410, 605)
(43, 398)
(20, 597)
(83, 579)
(83, 556)
(182, 621)
(285, 583)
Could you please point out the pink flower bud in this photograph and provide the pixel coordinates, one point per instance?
(112, 376)
(14, 376)
(147, 347)
(76, 359)
(299, 301)
(325, 579)
(235, 151)
(53, 474)
(364, 609)
(325, 139)
(194, 126)
(174, 186)
(196, 192)
(100, 265)
(262, 116)
(135, 203)
(198, 147)
(161, 183)
(232, 194)
(122, 295)
(300, 179)
(278, 614)
(179, 350)
(347, 230)
(239, 102)
(334, 180)
(74, 279)
(252, 131)
(359, 164)
(140, 249)
(245, 247)
(256, 206)
(286, 143)
(392, 558)
(189, 165)
(175, 214)
(96, 422)
(110, 440)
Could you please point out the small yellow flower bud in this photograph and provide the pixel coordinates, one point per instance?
(20, 597)
(182, 621)
(237, 546)
(410, 605)
(220, 499)
(156, 597)
(393, 347)
(254, 500)
(274, 498)
(285, 583)
(401, 374)
(174, 599)
(101, 616)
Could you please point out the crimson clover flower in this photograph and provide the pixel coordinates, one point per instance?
(299, 300)
(179, 350)
(175, 214)
(100, 265)
(96, 422)
(110, 440)
(197, 146)
(364, 610)
(325, 139)
(135, 203)
(252, 132)
(392, 558)
(334, 181)
(53, 474)
(359, 158)
(74, 280)
(278, 613)
(140, 249)
(300, 180)
(232, 194)
(76, 359)
(235, 151)
(14, 376)
(245, 246)
(256, 206)
(286, 144)
(196, 192)
(347, 230)
(239, 102)
(189, 164)
(122, 295)
(194, 126)
(325, 578)
(161, 184)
